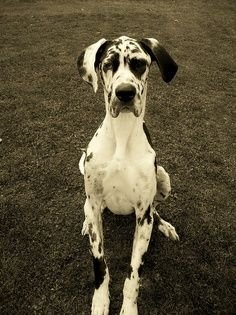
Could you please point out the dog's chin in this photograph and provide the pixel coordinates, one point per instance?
(115, 111)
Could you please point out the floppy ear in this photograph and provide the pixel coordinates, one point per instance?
(166, 64)
(86, 63)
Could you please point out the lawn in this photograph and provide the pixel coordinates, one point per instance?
(47, 114)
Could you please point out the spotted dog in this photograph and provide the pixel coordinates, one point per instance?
(119, 165)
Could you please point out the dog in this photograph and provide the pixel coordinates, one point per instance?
(119, 165)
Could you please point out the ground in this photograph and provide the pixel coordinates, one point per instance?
(47, 114)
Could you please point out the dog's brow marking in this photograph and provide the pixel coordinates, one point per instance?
(135, 50)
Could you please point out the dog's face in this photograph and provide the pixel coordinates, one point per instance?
(123, 65)
(123, 69)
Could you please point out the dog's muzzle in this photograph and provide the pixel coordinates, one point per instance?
(125, 100)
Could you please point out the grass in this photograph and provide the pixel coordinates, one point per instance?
(47, 114)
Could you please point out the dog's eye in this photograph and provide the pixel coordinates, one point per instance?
(112, 64)
(138, 65)
(107, 66)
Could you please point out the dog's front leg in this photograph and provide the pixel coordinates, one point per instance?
(93, 227)
(144, 224)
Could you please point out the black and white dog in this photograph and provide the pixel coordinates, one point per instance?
(119, 165)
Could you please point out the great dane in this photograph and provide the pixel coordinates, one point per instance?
(119, 165)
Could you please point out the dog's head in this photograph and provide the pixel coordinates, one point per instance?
(123, 65)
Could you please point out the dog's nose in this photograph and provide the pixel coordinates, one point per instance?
(125, 92)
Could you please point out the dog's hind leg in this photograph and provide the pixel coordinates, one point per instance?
(93, 227)
(165, 227)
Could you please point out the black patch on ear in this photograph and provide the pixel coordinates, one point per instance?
(166, 64)
(102, 52)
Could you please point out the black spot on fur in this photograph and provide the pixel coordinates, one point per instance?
(99, 271)
(90, 228)
(109, 97)
(90, 78)
(147, 216)
(139, 204)
(135, 50)
(117, 47)
(100, 247)
(130, 271)
(92, 234)
(140, 269)
(155, 165)
(89, 157)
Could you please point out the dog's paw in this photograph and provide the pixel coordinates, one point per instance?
(163, 184)
(168, 230)
(129, 307)
(101, 301)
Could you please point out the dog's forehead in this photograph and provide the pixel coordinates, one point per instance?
(126, 46)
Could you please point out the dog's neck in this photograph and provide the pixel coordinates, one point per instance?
(126, 129)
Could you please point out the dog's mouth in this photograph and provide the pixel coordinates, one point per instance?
(116, 109)
(126, 109)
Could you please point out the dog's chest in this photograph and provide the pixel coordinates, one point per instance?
(122, 184)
